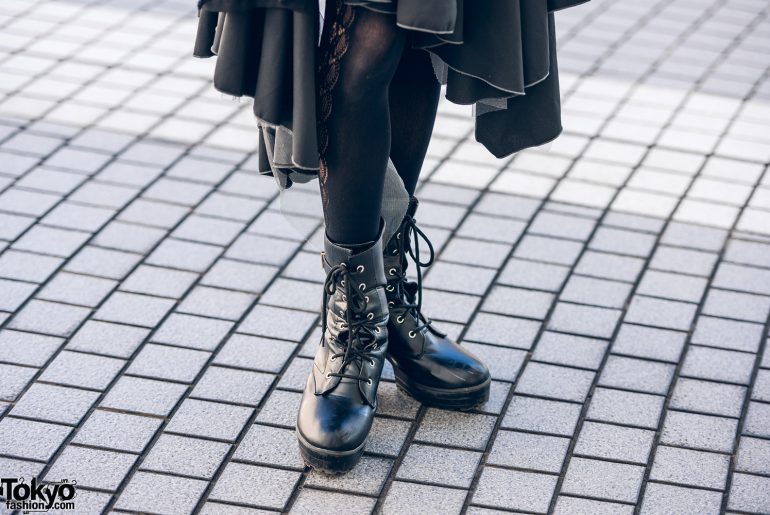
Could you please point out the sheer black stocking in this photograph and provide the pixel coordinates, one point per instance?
(360, 52)
(414, 95)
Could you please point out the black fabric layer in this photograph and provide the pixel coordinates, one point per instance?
(499, 55)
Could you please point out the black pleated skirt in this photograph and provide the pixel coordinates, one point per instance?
(498, 55)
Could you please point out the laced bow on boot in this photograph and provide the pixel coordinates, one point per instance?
(359, 334)
(410, 292)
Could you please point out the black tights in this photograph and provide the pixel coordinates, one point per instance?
(378, 98)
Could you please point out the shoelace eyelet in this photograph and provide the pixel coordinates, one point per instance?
(412, 334)
(370, 316)
(360, 268)
(368, 381)
(377, 330)
(400, 320)
(371, 363)
(362, 286)
(389, 288)
(392, 271)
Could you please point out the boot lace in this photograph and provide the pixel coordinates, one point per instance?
(359, 334)
(410, 292)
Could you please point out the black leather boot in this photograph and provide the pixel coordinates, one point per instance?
(340, 398)
(428, 365)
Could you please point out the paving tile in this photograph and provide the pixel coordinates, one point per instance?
(741, 306)
(518, 302)
(561, 226)
(743, 278)
(14, 293)
(216, 303)
(106, 338)
(577, 506)
(666, 314)
(660, 498)
(13, 380)
(649, 342)
(515, 490)
(548, 250)
(449, 467)
(54, 403)
(27, 348)
(584, 320)
(32, 440)
(632, 243)
(688, 467)
(207, 229)
(761, 389)
(621, 407)
(387, 436)
(390, 399)
(92, 467)
(192, 331)
(133, 309)
(718, 365)
(99, 262)
(543, 416)
(475, 252)
(162, 493)
(230, 385)
(753, 456)
(234, 485)
(699, 431)
(280, 409)
(749, 493)
(184, 255)
(674, 259)
(412, 498)
(757, 422)
(24, 266)
(185, 456)
(368, 477)
(504, 364)
(636, 374)
(255, 353)
(694, 236)
(143, 396)
(273, 322)
(531, 274)
(603, 480)
(503, 330)
(459, 429)
(161, 282)
(615, 442)
(51, 240)
(609, 266)
(171, 363)
(308, 501)
(271, 446)
(459, 278)
(49, 318)
(77, 289)
(129, 237)
(117, 431)
(83, 370)
(529, 451)
(209, 419)
(555, 382)
(261, 249)
(708, 397)
(596, 292)
(727, 334)
(566, 349)
(246, 277)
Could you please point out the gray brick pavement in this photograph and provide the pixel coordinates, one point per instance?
(158, 304)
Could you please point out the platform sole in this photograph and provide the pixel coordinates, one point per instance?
(447, 398)
(328, 461)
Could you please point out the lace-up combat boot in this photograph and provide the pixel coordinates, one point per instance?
(340, 398)
(428, 365)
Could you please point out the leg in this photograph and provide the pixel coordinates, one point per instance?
(354, 124)
(414, 95)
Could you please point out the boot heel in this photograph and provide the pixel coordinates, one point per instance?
(326, 461)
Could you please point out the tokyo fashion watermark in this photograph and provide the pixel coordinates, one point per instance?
(37, 497)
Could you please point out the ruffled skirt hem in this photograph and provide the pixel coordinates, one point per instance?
(499, 57)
